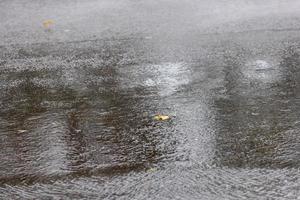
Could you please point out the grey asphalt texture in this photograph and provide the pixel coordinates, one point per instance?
(79, 98)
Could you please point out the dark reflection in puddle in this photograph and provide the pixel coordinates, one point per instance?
(76, 116)
(259, 120)
(55, 126)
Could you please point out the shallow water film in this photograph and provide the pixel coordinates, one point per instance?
(149, 99)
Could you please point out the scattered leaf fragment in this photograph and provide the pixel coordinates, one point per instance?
(22, 131)
(48, 23)
(161, 117)
(145, 114)
(34, 118)
(77, 131)
(151, 170)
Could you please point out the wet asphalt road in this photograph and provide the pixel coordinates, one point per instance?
(77, 101)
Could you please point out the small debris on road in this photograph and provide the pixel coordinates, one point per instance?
(151, 170)
(22, 131)
(161, 117)
(48, 23)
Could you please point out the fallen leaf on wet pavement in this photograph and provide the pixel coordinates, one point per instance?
(34, 118)
(151, 170)
(47, 23)
(161, 117)
(22, 131)
(77, 130)
(145, 114)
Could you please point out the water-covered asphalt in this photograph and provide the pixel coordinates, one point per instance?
(77, 101)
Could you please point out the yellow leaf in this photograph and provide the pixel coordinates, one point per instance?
(48, 23)
(161, 117)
